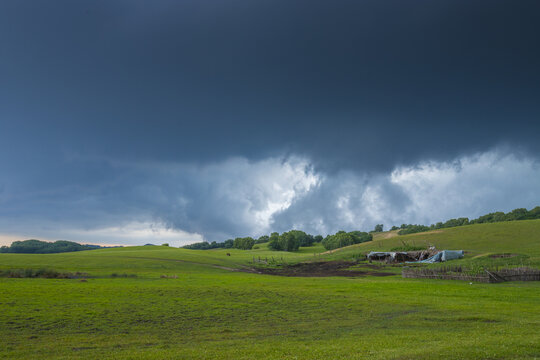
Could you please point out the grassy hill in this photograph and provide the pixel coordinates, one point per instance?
(204, 310)
(479, 240)
(150, 260)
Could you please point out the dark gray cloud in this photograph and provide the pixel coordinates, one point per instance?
(179, 203)
(332, 81)
(353, 89)
(217, 200)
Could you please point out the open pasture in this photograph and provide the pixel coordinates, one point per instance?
(205, 310)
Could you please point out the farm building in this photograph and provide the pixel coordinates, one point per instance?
(425, 256)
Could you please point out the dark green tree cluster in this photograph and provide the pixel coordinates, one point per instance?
(291, 240)
(378, 228)
(288, 241)
(245, 243)
(44, 247)
(227, 244)
(342, 238)
(263, 239)
(516, 214)
(411, 229)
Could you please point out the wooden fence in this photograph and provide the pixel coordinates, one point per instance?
(485, 276)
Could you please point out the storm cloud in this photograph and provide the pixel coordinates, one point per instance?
(214, 119)
(182, 203)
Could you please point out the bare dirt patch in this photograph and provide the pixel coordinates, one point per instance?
(321, 269)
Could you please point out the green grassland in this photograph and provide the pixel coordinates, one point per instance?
(479, 241)
(205, 310)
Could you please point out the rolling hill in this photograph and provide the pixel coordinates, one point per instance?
(162, 303)
(478, 240)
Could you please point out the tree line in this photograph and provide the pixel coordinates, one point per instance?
(342, 238)
(516, 214)
(288, 241)
(245, 243)
(43, 247)
(291, 240)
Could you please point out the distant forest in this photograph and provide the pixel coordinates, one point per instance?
(516, 214)
(288, 241)
(294, 239)
(44, 247)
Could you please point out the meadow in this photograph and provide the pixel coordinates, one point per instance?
(193, 304)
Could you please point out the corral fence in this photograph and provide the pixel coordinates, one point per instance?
(483, 275)
(269, 261)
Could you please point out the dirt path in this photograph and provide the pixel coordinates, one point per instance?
(323, 269)
(307, 269)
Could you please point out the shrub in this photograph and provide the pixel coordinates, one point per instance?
(40, 273)
(342, 238)
(263, 239)
(44, 247)
(290, 241)
(245, 243)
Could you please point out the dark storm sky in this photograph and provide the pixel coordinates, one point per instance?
(121, 112)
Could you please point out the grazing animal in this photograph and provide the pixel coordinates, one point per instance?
(228, 254)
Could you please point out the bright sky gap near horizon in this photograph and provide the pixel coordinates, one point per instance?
(127, 122)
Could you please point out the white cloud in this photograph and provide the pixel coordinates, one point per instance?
(178, 203)
(182, 203)
(469, 186)
(240, 196)
(425, 193)
(134, 233)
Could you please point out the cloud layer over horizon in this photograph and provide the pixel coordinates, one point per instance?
(223, 118)
(184, 203)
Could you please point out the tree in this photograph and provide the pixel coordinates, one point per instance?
(378, 228)
(302, 238)
(245, 243)
(341, 239)
(288, 241)
(273, 243)
(411, 229)
(517, 214)
(263, 239)
(44, 247)
(534, 213)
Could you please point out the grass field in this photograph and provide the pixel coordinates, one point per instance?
(207, 311)
(479, 241)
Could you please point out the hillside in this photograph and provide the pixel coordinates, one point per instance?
(515, 237)
(479, 240)
(159, 302)
(151, 260)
